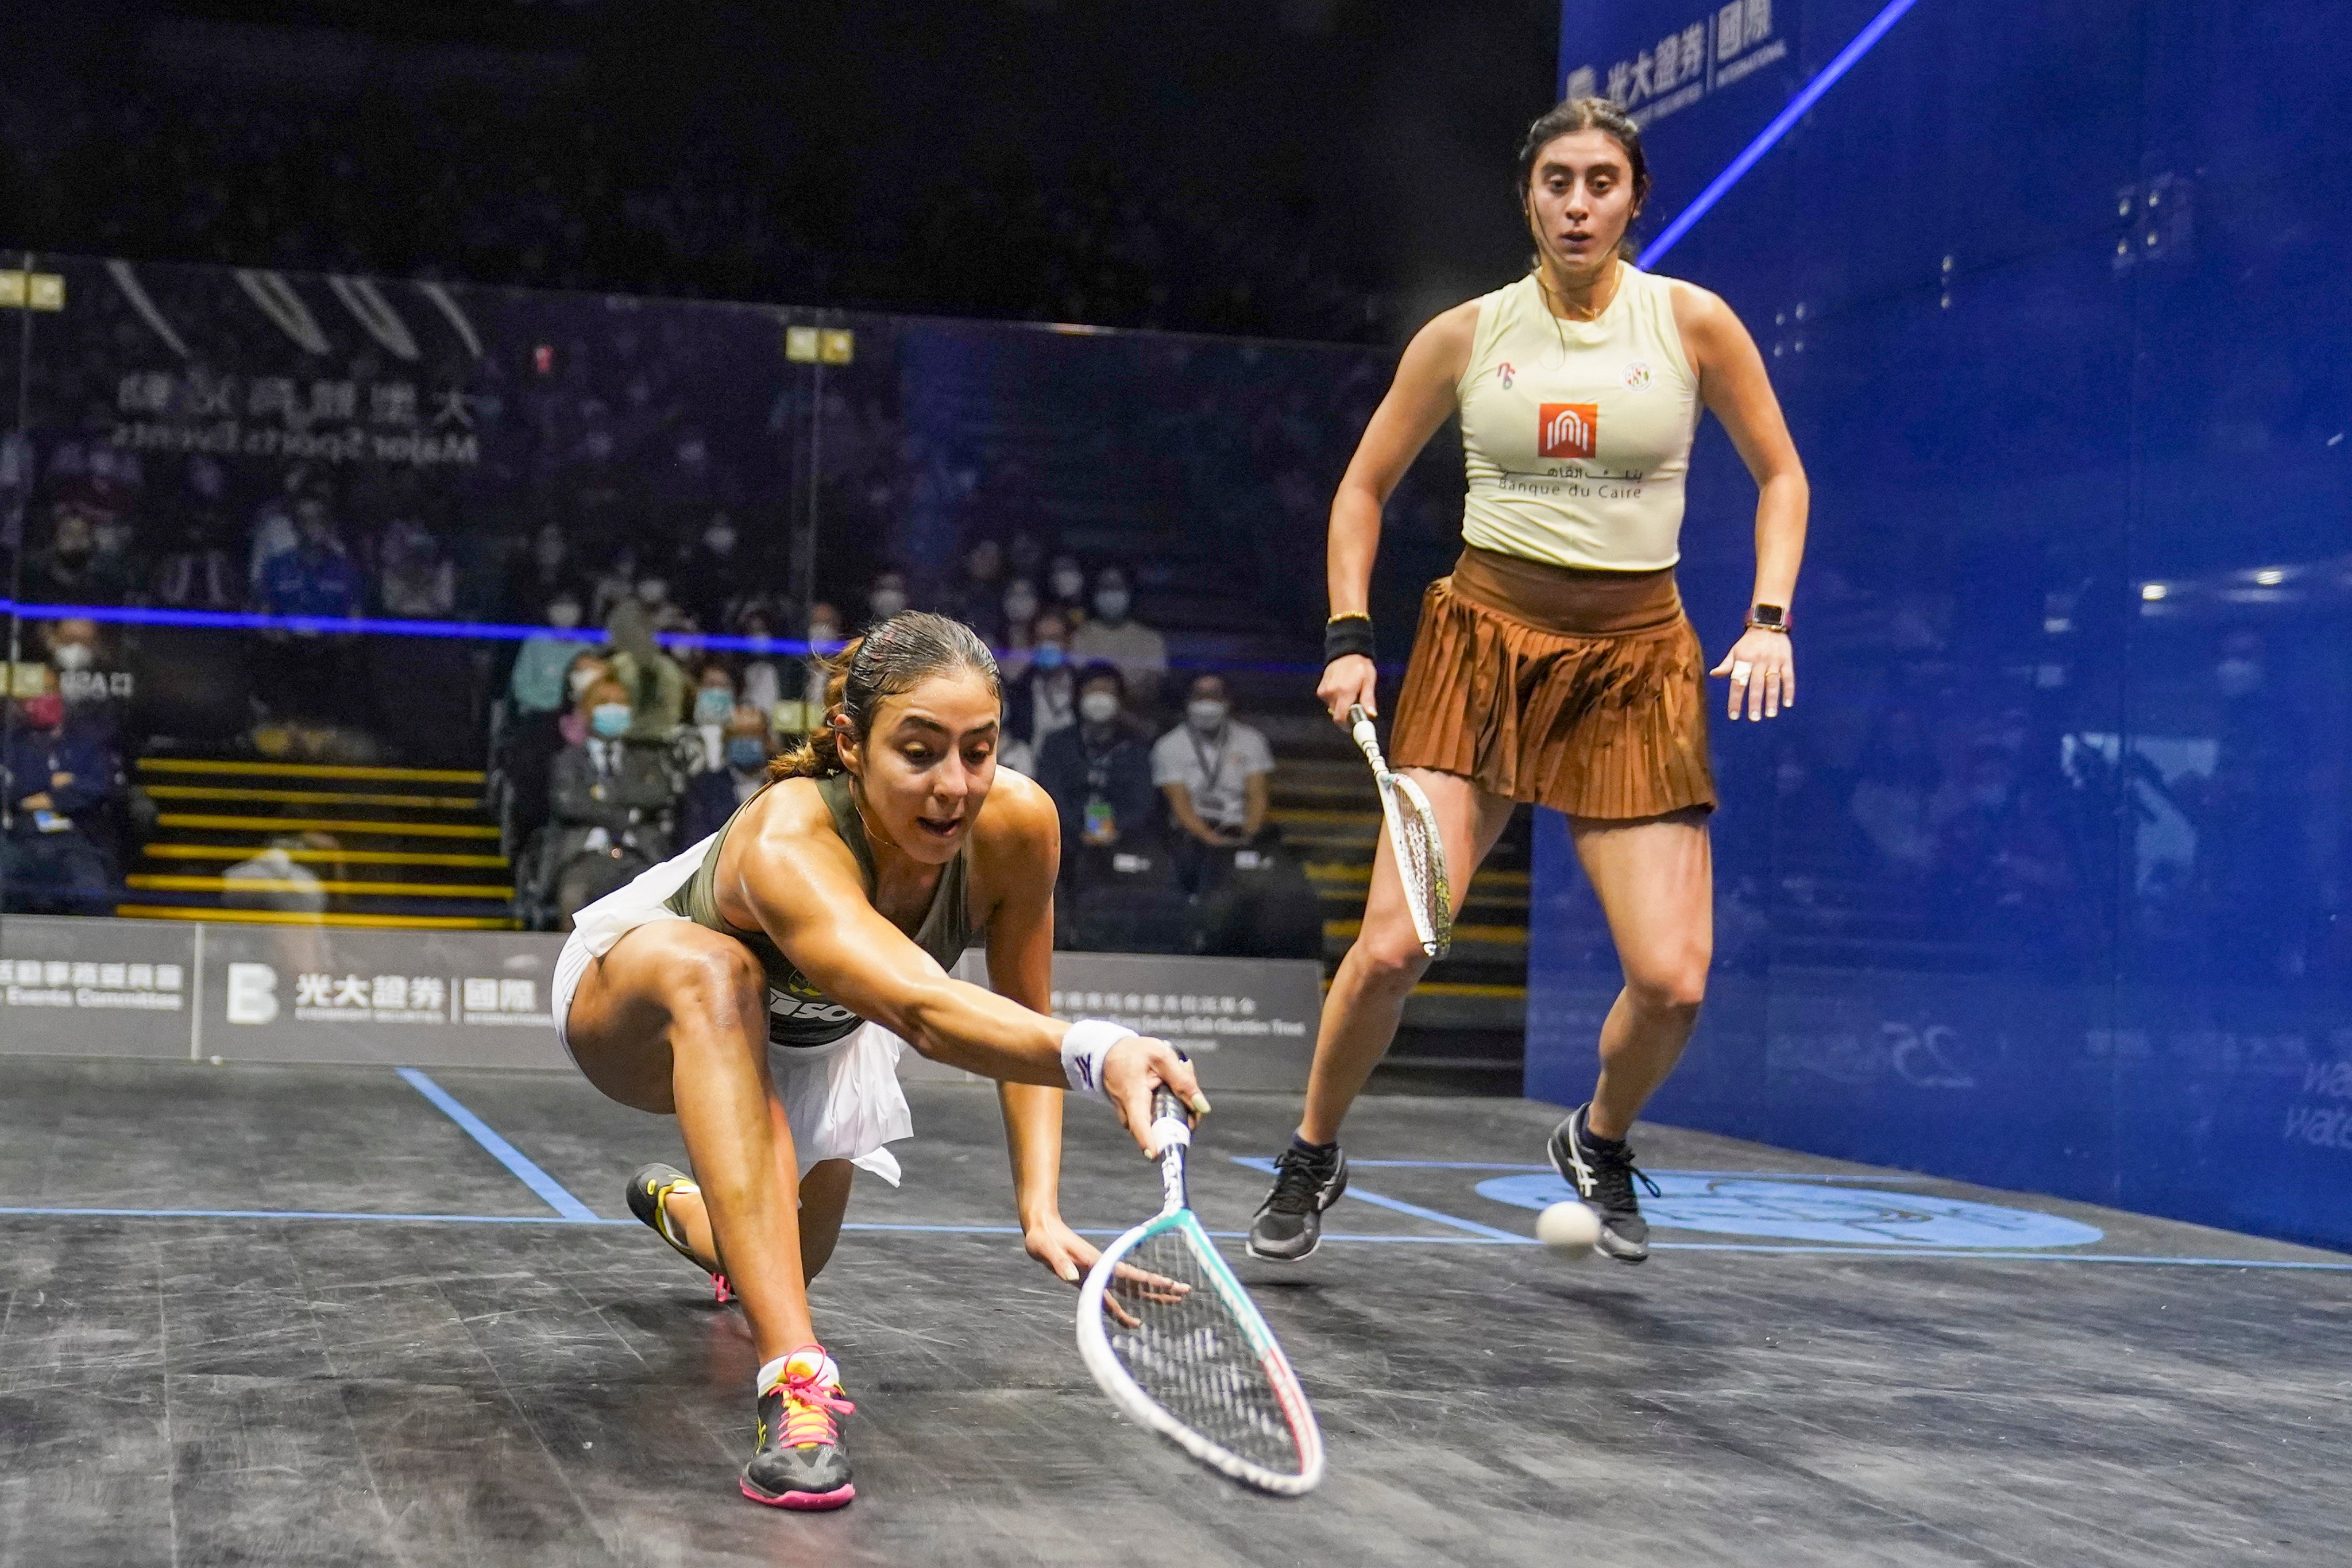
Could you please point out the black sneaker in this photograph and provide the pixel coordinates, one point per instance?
(801, 1462)
(1289, 1223)
(1602, 1172)
(649, 1193)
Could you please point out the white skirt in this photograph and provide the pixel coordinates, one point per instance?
(841, 1100)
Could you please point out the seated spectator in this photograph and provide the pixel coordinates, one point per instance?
(763, 677)
(886, 597)
(588, 666)
(1212, 769)
(536, 689)
(547, 571)
(1045, 699)
(1020, 608)
(194, 571)
(714, 709)
(1098, 772)
(74, 567)
(654, 683)
(607, 804)
(274, 880)
(1112, 637)
(415, 579)
(712, 577)
(76, 656)
(1065, 589)
(316, 578)
(712, 797)
(977, 598)
(665, 614)
(57, 779)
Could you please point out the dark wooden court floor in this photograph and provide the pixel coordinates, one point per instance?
(277, 1380)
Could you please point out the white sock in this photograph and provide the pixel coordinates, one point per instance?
(773, 1374)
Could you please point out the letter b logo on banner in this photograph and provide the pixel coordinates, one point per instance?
(252, 993)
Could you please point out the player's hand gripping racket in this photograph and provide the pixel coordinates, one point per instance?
(1197, 1365)
(1412, 839)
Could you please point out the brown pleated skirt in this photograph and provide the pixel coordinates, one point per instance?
(1580, 690)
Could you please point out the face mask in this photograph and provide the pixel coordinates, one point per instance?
(71, 656)
(1099, 707)
(1049, 656)
(652, 590)
(713, 706)
(720, 540)
(579, 680)
(2238, 676)
(744, 753)
(886, 603)
(1111, 604)
(1206, 713)
(563, 616)
(609, 720)
(1069, 584)
(1020, 607)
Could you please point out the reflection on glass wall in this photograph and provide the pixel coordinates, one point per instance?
(371, 602)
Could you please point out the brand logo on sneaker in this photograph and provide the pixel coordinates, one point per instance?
(1567, 429)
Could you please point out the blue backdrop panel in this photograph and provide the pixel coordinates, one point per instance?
(2044, 882)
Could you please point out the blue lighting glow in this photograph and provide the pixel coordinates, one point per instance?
(1764, 142)
(367, 626)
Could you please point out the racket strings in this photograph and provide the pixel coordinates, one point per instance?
(1195, 1359)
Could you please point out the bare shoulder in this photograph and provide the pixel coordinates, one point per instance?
(1441, 350)
(1703, 318)
(1016, 821)
(790, 824)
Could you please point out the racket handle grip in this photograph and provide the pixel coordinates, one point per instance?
(1170, 1128)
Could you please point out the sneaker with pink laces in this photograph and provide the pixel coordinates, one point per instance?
(799, 1462)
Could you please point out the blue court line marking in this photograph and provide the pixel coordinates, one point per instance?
(1662, 1170)
(1823, 81)
(504, 1152)
(1498, 1239)
(1258, 1162)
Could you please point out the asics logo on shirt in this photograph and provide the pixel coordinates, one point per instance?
(1567, 429)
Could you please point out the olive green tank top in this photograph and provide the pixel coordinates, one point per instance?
(799, 1014)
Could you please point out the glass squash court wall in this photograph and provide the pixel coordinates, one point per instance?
(2044, 884)
(315, 523)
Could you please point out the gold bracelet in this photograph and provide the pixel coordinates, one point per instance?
(1347, 616)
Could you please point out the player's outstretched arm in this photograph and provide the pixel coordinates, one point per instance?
(805, 891)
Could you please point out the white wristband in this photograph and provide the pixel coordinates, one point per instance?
(1084, 1046)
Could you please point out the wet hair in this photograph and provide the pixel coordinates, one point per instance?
(889, 661)
(1601, 114)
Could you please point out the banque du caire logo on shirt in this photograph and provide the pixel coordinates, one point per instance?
(1567, 429)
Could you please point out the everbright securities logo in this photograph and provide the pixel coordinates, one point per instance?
(1567, 429)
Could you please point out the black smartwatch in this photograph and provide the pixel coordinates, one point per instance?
(1770, 617)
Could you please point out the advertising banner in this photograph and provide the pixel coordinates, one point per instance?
(426, 998)
(96, 987)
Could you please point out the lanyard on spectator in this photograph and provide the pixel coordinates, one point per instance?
(1213, 775)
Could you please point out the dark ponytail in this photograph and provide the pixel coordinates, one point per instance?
(889, 659)
(1572, 114)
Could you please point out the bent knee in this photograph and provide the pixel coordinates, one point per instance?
(1675, 985)
(717, 979)
(1389, 961)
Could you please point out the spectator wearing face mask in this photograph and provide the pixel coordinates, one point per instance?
(588, 666)
(712, 578)
(1021, 608)
(887, 597)
(1047, 698)
(1112, 636)
(824, 636)
(667, 614)
(1214, 771)
(607, 799)
(546, 570)
(714, 707)
(712, 797)
(1098, 770)
(58, 781)
(763, 679)
(550, 675)
(1065, 589)
(415, 579)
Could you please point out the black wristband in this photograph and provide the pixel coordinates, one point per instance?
(1344, 634)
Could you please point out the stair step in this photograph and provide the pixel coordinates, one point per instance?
(308, 770)
(164, 883)
(314, 797)
(215, 914)
(328, 825)
(329, 857)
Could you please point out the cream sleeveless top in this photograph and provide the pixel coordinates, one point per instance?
(1577, 435)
